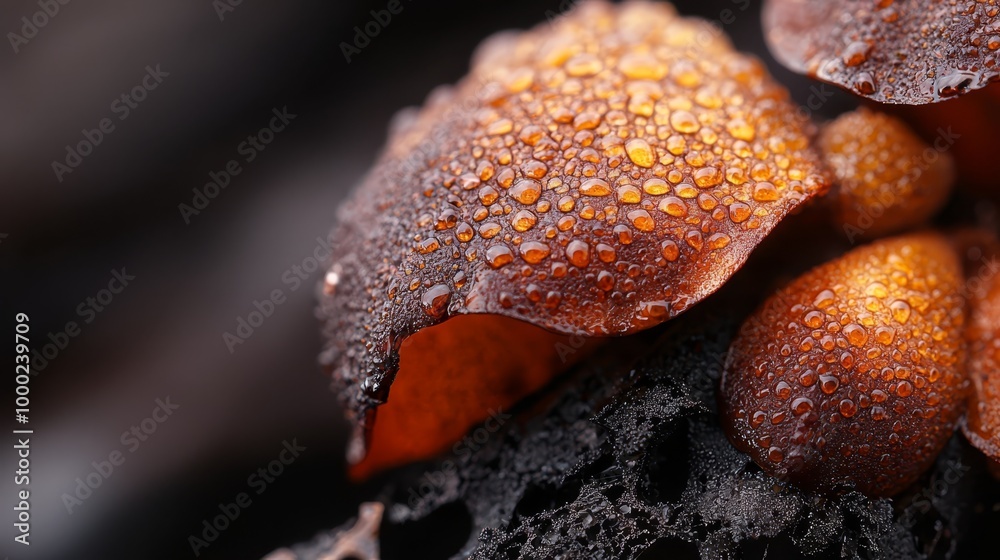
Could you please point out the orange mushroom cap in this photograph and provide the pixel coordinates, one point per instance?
(853, 376)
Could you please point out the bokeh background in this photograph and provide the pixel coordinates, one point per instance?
(228, 67)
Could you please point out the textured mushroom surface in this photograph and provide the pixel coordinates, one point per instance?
(594, 176)
(902, 51)
(887, 178)
(853, 376)
(982, 425)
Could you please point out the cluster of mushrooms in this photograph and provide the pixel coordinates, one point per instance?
(604, 172)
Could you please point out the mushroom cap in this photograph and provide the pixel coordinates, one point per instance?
(906, 51)
(887, 178)
(594, 176)
(853, 376)
(982, 424)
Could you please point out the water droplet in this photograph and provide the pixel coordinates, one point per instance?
(534, 252)
(488, 195)
(708, 177)
(502, 126)
(629, 194)
(828, 384)
(885, 335)
(526, 191)
(499, 255)
(641, 220)
(534, 169)
(583, 65)
(624, 234)
(801, 405)
(673, 206)
(531, 134)
(435, 300)
(765, 192)
(331, 280)
(686, 190)
(955, 83)
(783, 390)
(641, 66)
(654, 309)
(848, 408)
(775, 455)
(605, 280)
(707, 202)
(640, 152)
(578, 253)
(489, 229)
(856, 53)
(904, 389)
(813, 319)
(605, 252)
(824, 299)
(428, 245)
(739, 129)
(718, 240)
(595, 187)
(670, 250)
(523, 220)
(655, 186)
(900, 311)
(694, 238)
(864, 82)
(856, 334)
(506, 300)
(808, 378)
(739, 211)
(684, 122)
(586, 120)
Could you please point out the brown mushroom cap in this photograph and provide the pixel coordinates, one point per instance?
(982, 426)
(853, 376)
(904, 51)
(594, 176)
(887, 178)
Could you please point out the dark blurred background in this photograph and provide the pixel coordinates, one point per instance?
(218, 72)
